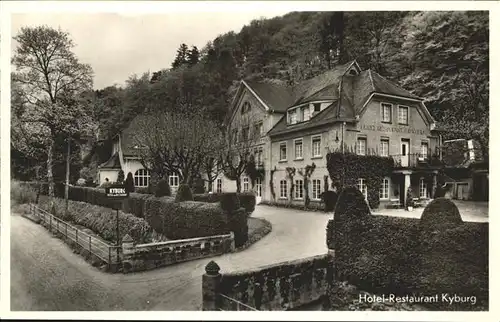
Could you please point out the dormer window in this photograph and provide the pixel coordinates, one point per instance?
(292, 117)
(307, 113)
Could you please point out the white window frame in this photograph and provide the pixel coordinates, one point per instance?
(358, 139)
(286, 150)
(407, 108)
(299, 193)
(301, 157)
(246, 186)
(422, 188)
(292, 116)
(426, 144)
(308, 114)
(316, 189)
(361, 184)
(141, 178)
(259, 151)
(283, 189)
(384, 189)
(219, 185)
(384, 140)
(313, 138)
(173, 180)
(383, 105)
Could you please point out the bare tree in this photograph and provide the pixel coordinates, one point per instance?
(237, 155)
(48, 77)
(183, 143)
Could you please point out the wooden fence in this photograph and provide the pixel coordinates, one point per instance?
(105, 252)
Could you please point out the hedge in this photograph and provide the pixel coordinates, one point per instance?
(175, 220)
(346, 168)
(313, 206)
(184, 193)
(435, 254)
(247, 199)
(102, 221)
(185, 220)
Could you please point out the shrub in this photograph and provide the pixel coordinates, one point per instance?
(129, 183)
(238, 224)
(409, 198)
(144, 190)
(22, 193)
(248, 201)
(330, 240)
(102, 221)
(439, 214)
(81, 182)
(163, 189)
(185, 220)
(199, 186)
(348, 167)
(456, 260)
(329, 199)
(106, 184)
(121, 176)
(229, 201)
(351, 205)
(184, 193)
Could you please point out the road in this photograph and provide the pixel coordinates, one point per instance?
(46, 275)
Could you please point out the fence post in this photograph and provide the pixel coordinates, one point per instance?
(66, 228)
(211, 287)
(127, 251)
(90, 244)
(76, 233)
(50, 223)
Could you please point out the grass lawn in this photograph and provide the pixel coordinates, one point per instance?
(257, 229)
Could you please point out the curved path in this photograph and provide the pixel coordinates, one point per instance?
(46, 275)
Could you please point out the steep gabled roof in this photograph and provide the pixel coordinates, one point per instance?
(127, 136)
(362, 88)
(277, 96)
(323, 86)
(382, 85)
(112, 163)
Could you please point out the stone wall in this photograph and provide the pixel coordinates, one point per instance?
(142, 257)
(283, 286)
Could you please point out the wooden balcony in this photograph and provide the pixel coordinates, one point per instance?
(416, 161)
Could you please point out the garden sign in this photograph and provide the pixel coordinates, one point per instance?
(116, 192)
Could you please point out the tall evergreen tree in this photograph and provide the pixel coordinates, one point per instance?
(193, 56)
(182, 56)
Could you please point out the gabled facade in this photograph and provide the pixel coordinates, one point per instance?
(345, 108)
(125, 156)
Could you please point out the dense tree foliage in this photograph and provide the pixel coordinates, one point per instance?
(438, 55)
(46, 96)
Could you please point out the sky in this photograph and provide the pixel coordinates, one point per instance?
(118, 46)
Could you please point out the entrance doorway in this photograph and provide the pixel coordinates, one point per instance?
(258, 190)
(405, 151)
